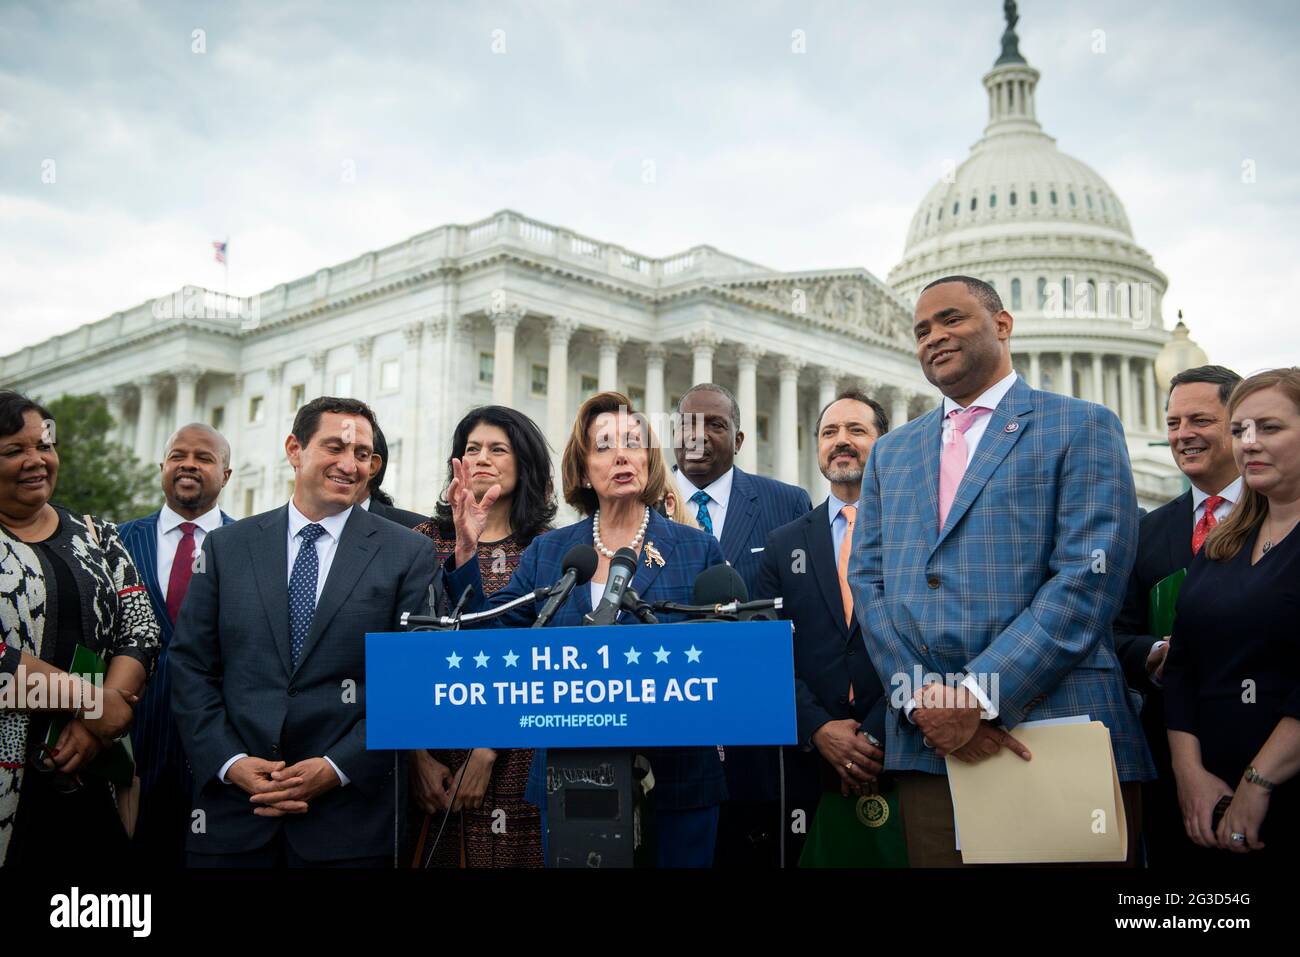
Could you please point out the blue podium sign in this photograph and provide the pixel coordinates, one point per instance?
(597, 687)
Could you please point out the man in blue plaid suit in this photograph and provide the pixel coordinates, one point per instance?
(994, 541)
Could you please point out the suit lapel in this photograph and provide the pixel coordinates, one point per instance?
(144, 542)
(353, 553)
(742, 513)
(825, 568)
(269, 555)
(925, 473)
(662, 535)
(1179, 540)
(994, 446)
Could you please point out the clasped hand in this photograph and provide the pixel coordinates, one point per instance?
(277, 790)
(950, 720)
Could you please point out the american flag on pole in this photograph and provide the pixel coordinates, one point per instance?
(219, 249)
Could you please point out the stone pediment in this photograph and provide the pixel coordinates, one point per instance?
(853, 303)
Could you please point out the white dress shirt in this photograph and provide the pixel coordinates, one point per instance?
(719, 493)
(366, 503)
(990, 399)
(326, 546)
(169, 539)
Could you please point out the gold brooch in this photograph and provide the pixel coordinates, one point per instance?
(652, 555)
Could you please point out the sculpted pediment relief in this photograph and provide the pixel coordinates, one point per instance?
(849, 302)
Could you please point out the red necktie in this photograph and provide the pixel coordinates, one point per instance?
(178, 582)
(1207, 522)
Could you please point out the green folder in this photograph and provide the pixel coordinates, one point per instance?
(856, 832)
(1161, 603)
(117, 761)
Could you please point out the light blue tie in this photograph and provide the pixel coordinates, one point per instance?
(302, 589)
(701, 498)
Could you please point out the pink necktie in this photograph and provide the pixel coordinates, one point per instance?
(952, 463)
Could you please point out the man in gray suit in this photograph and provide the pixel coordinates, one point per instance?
(268, 659)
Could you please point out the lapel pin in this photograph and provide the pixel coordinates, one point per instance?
(1012, 426)
(652, 554)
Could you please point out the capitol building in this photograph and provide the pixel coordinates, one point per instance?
(534, 315)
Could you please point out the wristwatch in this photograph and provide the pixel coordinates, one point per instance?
(1254, 777)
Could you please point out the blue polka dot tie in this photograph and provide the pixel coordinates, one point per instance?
(302, 589)
(701, 498)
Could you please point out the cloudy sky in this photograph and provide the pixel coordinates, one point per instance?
(447, 112)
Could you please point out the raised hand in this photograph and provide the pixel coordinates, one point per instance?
(469, 515)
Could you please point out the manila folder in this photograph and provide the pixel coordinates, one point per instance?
(1063, 805)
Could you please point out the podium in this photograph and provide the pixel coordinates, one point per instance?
(592, 698)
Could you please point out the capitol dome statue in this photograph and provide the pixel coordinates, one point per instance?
(1049, 233)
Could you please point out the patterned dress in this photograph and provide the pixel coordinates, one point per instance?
(469, 839)
(112, 617)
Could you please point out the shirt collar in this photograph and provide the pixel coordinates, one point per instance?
(989, 400)
(169, 519)
(719, 490)
(1231, 493)
(366, 503)
(834, 506)
(333, 524)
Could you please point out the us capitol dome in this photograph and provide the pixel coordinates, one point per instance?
(1051, 235)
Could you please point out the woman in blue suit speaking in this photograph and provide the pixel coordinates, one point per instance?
(614, 475)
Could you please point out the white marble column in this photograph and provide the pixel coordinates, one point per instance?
(187, 382)
(1098, 383)
(703, 343)
(409, 392)
(147, 421)
(276, 433)
(115, 400)
(1035, 371)
(504, 324)
(747, 357)
(898, 408)
(233, 430)
(364, 347)
(827, 388)
(656, 400)
(1067, 374)
(559, 417)
(788, 439)
(1150, 392)
(1128, 408)
(316, 386)
(610, 342)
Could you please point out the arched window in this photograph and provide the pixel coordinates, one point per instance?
(1053, 197)
(1072, 201)
(956, 208)
(1067, 293)
(1033, 197)
(940, 216)
(993, 199)
(972, 202)
(1015, 294)
(1103, 204)
(1012, 198)
(927, 219)
(1088, 197)
(1090, 307)
(1042, 292)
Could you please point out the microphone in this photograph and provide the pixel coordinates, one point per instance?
(580, 563)
(621, 569)
(632, 602)
(720, 592)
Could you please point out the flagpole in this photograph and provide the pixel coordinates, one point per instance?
(226, 265)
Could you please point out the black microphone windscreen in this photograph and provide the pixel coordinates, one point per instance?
(626, 557)
(583, 560)
(719, 585)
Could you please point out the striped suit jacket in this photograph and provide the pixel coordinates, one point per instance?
(1021, 585)
(684, 777)
(154, 736)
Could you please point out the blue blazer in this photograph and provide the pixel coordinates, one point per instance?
(1022, 583)
(684, 777)
(154, 736)
(758, 505)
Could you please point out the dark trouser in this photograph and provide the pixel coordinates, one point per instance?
(164, 820)
(687, 838)
(928, 825)
(749, 834)
(278, 853)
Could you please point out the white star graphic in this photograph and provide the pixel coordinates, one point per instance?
(510, 658)
(661, 656)
(453, 660)
(480, 660)
(692, 653)
(633, 656)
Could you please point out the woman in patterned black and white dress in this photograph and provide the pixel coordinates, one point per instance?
(65, 580)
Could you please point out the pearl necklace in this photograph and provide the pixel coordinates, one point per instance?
(636, 542)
